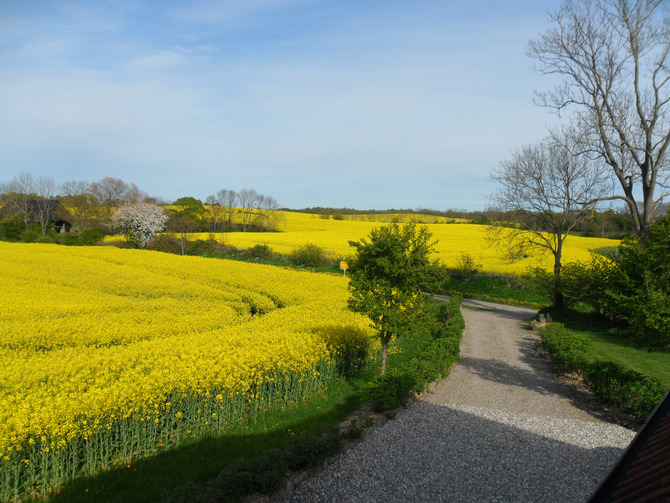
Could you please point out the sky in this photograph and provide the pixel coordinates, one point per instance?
(336, 103)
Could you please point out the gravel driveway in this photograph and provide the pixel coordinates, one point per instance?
(500, 427)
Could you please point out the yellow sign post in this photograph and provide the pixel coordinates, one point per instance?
(344, 266)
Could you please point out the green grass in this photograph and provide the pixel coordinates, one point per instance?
(496, 288)
(150, 479)
(608, 343)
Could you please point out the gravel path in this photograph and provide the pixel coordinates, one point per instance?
(500, 427)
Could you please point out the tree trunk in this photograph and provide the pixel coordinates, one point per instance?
(558, 294)
(384, 354)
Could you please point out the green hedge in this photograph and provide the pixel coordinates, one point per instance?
(394, 388)
(569, 352)
(610, 382)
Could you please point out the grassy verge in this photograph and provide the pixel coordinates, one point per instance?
(607, 368)
(499, 288)
(255, 455)
(607, 343)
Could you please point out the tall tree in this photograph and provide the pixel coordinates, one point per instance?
(214, 212)
(386, 277)
(44, 204)
(247, 199)
(77, 197)
(18, 193)
(111, 193)
(613, 58)
(229, 200)
(545, 191)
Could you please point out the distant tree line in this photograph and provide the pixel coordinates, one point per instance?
(605, 222)
(33, 206)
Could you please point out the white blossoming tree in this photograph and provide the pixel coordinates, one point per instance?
(139, 222)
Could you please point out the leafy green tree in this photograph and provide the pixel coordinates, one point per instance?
(386, 278)
(643, 290)
(189, 207)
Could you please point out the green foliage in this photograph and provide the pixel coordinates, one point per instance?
(591, 283)
(263, 474)
(165, 243)
(89, 236)
(30, 234)
(387, 276)
(308, 255)
(11, 228)
(633, 288)
(390, 390)
(612, 383)
(568, 351)
(433, 361)
(644, 286)
(48, 239)
(188, 207)
(260, 251)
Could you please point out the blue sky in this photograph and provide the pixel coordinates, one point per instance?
(363, 104)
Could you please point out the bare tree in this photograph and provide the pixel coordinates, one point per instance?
(214, 211)
(111, 193)
(613, 57)
(81, 203)
(18, 194)
(546, 192)
(229, 200)
(44, 204)
(270, 213)
(247, 199)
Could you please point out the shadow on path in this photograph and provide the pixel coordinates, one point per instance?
(434, 453)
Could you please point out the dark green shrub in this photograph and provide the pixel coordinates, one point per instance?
(614, 384)
(633, 288)
(390, 390)
(591, 283)
(164, 243)
(30, 235)
(309, 255)
(46, 239)
(310, 450)
(260, 251)
(69, 239)
(569, 352)
(90, 236)
(11, 228)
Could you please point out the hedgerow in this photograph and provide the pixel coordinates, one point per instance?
(610, 382)
(395, 387)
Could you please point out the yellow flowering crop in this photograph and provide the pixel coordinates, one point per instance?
(106, 352)
(453, 239)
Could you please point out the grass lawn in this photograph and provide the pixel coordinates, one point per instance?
(607, 344)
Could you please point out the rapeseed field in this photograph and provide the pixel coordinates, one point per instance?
(107, 355)
(453, 240)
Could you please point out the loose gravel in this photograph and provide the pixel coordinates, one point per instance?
(501, 427)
